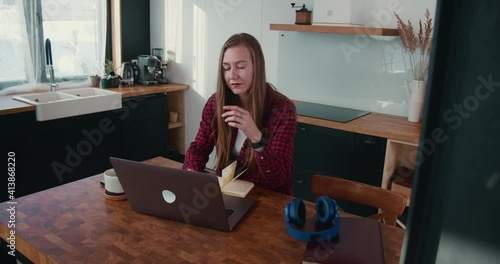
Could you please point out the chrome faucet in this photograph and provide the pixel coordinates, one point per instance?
(50, 66)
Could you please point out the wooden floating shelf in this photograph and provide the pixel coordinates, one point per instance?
(334, 29)
(174, 125)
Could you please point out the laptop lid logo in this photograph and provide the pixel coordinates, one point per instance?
(168, 196)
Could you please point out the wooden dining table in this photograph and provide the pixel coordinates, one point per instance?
(75, 223)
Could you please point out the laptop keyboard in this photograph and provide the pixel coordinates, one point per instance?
(229, 212)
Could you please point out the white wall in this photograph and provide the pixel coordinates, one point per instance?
(193, 31)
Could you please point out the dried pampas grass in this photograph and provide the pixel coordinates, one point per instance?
(417, 44)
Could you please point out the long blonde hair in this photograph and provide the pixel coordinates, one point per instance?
(257, 97)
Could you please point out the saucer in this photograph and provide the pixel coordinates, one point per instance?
(114, 196)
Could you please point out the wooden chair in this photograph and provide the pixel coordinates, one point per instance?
(392, 204)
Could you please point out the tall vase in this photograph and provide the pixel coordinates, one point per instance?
(415, 92)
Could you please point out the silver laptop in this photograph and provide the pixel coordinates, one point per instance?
(176, 194)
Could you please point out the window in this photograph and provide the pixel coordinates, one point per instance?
(12, 60)
(76, 29)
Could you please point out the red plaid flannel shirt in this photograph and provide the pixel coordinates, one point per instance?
(275, 163)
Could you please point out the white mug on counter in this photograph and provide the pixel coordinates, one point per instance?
(114, 190)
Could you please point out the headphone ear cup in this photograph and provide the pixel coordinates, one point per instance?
(325, 209)
(297, 212)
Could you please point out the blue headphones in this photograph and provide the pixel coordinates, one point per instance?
(326, 212)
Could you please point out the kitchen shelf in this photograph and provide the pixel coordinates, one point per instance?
(337, 29)
(175, 125)
(398, 154)
(177, 130)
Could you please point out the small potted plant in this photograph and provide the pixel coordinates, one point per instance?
(110, 79)
(95, 80)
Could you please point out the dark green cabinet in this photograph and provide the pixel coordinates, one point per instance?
(55, 152)
(336, 153)
(19, 143)
(320, 150)
(144, 123)
(76, 147)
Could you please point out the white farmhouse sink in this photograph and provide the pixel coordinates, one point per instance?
(41, 98)
(66, 103)
(86, 92)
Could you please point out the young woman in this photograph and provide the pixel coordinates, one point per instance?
(246, 120)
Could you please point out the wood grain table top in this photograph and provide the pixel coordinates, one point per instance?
(74, 223)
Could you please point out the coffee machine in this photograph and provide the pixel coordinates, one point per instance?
(162, 65)
(152, 68)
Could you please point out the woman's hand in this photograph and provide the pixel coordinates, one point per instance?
(240, 118)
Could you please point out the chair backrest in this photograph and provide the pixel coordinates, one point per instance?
(392, 204)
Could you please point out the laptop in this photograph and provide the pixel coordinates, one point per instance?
(176, 194)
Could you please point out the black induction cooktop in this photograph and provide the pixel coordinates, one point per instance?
(328, 112)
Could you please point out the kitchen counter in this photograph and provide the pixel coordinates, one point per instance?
(392, 127)
(139, 90)
(396, 128)
(11, 106)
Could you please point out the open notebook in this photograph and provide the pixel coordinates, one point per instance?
(230, 185)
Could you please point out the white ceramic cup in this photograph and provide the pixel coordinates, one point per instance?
(111, 182)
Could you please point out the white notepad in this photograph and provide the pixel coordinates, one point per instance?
(230, 184)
